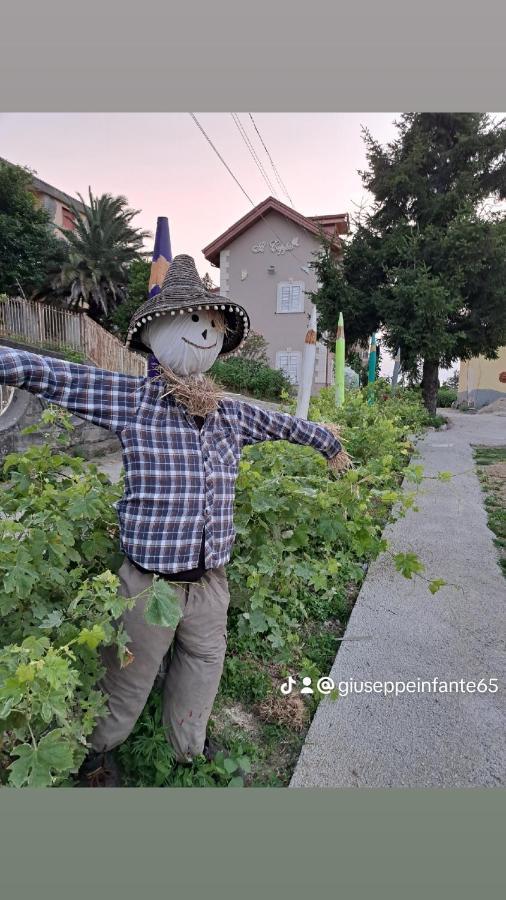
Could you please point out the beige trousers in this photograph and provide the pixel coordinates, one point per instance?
(194, 670)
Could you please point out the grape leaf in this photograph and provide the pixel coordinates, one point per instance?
(92, 637)
(36, 764)
(436, 585)
(162, 607)
(53, 619)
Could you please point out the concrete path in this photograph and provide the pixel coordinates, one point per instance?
(398, 631)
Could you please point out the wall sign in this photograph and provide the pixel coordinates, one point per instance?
(276, 246)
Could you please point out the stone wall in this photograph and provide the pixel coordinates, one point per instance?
(25, 409)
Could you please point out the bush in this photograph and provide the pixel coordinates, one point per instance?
(251, 377)
(58, 603)
(304, 540)
(302, 535)
(446, 396)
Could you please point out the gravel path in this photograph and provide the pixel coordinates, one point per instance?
(398, 631)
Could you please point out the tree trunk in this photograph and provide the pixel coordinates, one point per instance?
(430, 384)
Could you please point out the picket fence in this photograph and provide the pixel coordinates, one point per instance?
(45, 327)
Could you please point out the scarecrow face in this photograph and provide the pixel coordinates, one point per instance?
(189, 343)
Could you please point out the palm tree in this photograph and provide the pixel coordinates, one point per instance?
(100, 250)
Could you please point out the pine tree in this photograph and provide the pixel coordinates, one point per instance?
(427, 263)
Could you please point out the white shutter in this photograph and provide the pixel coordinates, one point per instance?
(290, 297)
(289, 361)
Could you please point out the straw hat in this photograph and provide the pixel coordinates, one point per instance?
(183, 290)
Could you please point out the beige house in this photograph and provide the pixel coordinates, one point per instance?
(264, 262)
(57, 203)
(481, 380)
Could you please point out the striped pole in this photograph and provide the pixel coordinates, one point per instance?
(371, 374)
(308, 362)
(162, 258)
(340, 355)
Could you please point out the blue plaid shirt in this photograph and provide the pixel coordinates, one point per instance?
(179, 480)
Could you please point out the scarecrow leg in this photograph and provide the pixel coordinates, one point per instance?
(196, 664)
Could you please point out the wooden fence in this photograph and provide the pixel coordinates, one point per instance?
(47, 328)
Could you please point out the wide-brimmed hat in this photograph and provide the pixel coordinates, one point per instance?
(183, 291)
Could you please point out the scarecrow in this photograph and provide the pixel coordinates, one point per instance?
(181, 440)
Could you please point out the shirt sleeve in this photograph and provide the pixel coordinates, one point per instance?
(105, 398)
(259, 424)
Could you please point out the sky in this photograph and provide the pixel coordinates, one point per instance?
(164, 166)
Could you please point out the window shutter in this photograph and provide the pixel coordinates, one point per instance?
(290, 297)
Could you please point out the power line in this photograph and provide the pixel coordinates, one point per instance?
(278, 176)
(218, 154)
(229, 170)
(249, 145)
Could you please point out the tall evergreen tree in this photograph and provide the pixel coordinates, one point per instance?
(428, 262)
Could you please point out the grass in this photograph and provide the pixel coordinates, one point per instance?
(491, 463)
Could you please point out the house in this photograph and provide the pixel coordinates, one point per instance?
(57, 203)
(481, 381)
(264, 262)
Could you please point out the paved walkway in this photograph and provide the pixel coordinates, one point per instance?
(424, 740)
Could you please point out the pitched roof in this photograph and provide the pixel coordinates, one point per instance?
(48, 189)
(332, 225)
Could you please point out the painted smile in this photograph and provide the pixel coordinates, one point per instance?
(200, 346)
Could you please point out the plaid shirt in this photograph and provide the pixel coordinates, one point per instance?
(179, 480)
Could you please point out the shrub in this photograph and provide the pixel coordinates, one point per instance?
(446, 396)
(303, 538)
(251, 377)
(58, 603)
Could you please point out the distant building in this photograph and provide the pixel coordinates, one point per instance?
(57, 203)
(264, 261)
(481, 380)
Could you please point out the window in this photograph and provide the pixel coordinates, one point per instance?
(289, 361)
(290, 297)
(68, 219)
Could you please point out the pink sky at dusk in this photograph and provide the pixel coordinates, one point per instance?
(163, 165)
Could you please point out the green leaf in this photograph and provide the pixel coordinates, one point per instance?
(25, 673)
(445, 476)
(236, 781)
(230, 765)
(36, 764)
(162, 607)
(92, 637)
(244, 763)
(436, 585)
(53, 620)
(258, 622)
(408, 564)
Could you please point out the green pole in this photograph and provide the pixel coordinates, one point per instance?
(371, 375)
(340, 354)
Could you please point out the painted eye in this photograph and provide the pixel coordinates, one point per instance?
(195, 317)
(212, 323)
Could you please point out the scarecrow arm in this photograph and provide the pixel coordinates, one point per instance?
(265, 425)
(104, 398)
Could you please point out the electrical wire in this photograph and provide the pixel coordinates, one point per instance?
(218, 154)
(252, 151)
(303, 264)
(274, 167)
